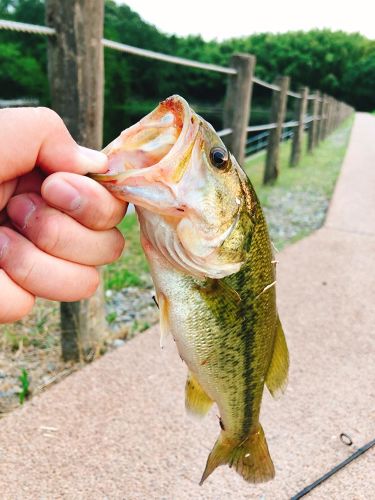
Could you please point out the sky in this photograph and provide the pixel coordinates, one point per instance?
(223, 19)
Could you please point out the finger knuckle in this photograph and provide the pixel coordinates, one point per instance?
(26, 307)
(49, 117)
(92, 282)
(101, 211)
(106, 219)
(47, 236)
(112, 214)
(118, 245)
(22, 309)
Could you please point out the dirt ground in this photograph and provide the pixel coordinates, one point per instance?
(33, 344)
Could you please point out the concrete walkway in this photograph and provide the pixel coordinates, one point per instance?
(118, 430)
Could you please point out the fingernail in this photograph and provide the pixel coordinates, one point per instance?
(4, 243)
(20, 208)
(98, 161)
(62, 194)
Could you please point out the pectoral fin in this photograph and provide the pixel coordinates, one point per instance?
(219, 286)
(229, 291)
(277, 375)
(196, 400)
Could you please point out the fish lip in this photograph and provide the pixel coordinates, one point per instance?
(177, 148)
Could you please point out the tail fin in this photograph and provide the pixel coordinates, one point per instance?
(251, 458)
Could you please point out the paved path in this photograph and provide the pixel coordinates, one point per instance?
(121, 430)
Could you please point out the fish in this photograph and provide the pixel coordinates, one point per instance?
(206, 239)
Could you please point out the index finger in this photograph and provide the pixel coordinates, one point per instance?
(38, 136)
(83, 199)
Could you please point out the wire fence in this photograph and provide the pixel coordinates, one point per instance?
(258, 142)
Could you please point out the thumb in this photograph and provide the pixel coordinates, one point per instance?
(38, 136)
(6, 191)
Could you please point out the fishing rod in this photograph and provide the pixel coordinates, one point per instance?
(335, 469)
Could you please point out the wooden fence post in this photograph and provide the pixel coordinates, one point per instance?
(329, 115)
(237, 104)
(320, 119)
(323, 121)
(346, 111)
(335, 121)
(75, 69)
(299, 130)
(313, 129)
(333, 115)
(278, 110)
(339, 113)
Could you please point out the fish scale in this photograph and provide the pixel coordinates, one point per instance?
(206, 239)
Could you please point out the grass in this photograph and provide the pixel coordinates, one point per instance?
(318, 169)
(25, 386)
(132, 268)
(309, 186)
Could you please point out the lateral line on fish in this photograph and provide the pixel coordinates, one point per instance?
(266, 288)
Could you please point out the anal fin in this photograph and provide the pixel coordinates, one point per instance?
(196, 400)
(277, 375)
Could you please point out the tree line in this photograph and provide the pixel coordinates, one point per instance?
(337, 63)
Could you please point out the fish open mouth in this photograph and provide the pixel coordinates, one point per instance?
(147, 143)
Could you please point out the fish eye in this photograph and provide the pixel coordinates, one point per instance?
(219, 157)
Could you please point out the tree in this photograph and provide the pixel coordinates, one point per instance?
(336, 63)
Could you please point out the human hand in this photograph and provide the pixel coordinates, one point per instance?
(55, 224)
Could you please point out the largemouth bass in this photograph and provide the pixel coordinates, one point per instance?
(206, 239)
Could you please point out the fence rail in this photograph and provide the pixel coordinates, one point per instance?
(75, 47)
(10, 103)
(122, 47)
(26, 27)
(45, 30)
